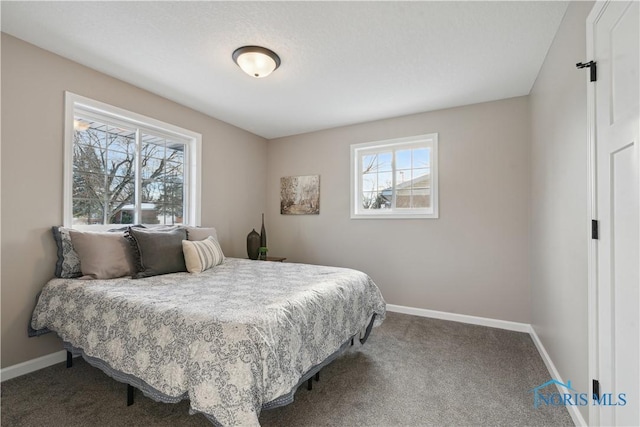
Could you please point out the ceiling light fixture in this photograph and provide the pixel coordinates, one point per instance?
(256, 61)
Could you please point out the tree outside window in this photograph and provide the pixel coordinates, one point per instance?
(105, 159)
(395, 178)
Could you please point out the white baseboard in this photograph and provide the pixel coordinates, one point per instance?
(32, 365)
(463, 318)
(576, 416)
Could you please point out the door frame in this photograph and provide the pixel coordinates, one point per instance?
(592, 213)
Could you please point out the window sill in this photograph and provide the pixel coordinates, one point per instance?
(395, 216)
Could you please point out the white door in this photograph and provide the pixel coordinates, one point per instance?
(614, 32)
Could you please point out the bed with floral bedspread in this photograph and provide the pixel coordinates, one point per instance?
(234, 340)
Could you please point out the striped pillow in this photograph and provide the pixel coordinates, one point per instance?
(202, 255)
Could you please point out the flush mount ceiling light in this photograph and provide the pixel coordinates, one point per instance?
(256, 61)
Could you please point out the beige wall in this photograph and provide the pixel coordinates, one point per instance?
(559, 223)
(33, 85)
(472, 260)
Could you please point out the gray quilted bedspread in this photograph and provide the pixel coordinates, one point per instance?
(234, 338)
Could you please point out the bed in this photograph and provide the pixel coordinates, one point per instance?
(234, 340)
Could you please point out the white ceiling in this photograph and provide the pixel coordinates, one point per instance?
(342, 62)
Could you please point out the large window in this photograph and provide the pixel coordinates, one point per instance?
(395, 178)
(124, 168)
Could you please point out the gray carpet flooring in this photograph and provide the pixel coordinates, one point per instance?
(413, 371)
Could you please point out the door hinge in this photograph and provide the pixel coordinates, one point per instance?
(593, 68)
(594, 229)
(595, 386)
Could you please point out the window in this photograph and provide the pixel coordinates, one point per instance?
(396, 178)
(124, 168)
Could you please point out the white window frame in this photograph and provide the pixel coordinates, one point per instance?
(193, 153)
(359, 150)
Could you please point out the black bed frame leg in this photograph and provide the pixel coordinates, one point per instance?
(352, 341)
(130, 394)
(318, 376)
(368, 331)
(69, 359)
(309, 384)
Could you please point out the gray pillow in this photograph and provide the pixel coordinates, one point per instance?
(157, 251)
(68, 263)
(201, 233)
(105, 255)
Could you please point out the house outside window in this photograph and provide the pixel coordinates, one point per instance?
(395, 178)
(124, 168)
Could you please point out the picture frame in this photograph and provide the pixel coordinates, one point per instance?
(300, 195)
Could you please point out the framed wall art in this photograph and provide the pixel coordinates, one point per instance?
(300, 195)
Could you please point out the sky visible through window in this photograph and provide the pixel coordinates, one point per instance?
(412, 170)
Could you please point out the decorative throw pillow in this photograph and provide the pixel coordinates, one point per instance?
(157, 251)
(105, 255)
(68, 263)
(201, 233)
(202, 255)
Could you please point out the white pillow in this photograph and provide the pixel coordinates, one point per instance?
(202, 255)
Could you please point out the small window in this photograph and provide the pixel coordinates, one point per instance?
(395, 178)
(124, 168)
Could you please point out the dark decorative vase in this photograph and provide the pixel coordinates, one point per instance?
(263, 235)
(253, 244)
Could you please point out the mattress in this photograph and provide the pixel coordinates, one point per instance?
(234, 339)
